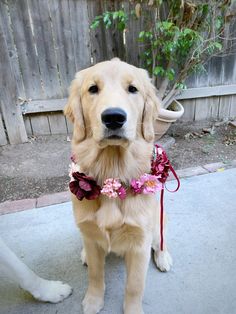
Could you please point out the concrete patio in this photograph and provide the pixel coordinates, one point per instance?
(202, 241)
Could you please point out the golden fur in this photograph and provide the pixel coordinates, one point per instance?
(131, 226)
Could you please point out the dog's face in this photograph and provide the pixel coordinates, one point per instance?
(113, 102)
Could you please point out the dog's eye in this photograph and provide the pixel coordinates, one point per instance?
(93, 89)
(132, 89)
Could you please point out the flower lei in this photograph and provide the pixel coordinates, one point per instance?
(86, 187)
(83, 186)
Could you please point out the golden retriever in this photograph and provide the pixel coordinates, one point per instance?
(112, 105)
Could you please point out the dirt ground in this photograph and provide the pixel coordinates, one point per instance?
(41, 165)
(201, 143)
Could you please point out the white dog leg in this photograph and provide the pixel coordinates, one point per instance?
(41, 289)
(83, 257)
(163, 259)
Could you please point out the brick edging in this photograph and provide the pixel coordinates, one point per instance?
(208, 168)
(62, 197)
(30, 203)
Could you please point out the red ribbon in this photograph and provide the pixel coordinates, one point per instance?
(162, 205)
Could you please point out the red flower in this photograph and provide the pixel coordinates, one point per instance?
(160, 165)
(84, 186)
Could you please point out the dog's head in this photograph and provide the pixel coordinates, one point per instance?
(113, 102)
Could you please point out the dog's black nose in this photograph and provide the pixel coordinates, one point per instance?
(114, 118)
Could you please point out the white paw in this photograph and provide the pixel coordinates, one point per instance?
(92, 304)
(51, 291)
(163, 260)
(83, 257)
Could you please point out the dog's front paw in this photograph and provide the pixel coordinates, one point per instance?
(92, 304)
(50, 291)
(133, 308)
(163, 260)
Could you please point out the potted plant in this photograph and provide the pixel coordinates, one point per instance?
(177, 38)
(166, 116)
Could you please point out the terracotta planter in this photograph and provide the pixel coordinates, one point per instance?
(167, 116)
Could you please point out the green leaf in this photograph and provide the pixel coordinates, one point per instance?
(188, 31)
(107, 19)
(219, 22)
(166, 25)
(181, 85)
(115, 15)
(149, 61)
(170, 74)
(121, 26)
(141, 34)
(158, 70)
(95, 24)
(218, 45)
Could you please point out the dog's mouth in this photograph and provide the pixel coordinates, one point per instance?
(114, 135)
(114, 138)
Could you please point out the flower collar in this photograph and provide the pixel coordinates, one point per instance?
(83, 186)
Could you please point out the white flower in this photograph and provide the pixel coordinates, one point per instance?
(73, 168)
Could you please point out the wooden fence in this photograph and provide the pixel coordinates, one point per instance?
(44, 42)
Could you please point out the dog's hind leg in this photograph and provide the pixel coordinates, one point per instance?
(162, 258)
(41, 289)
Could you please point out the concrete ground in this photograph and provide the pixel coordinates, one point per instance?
(202, 240)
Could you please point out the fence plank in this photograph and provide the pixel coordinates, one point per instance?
(189, 109)
(57, 123)
(80, 33)
(134, 27)
(40, 124)
(229, 68)
(213, 104)
(7, 28)
(224, 107)
(201, 109)
(202, 92)
(8, 97)
(60, 17)
(215, 71)
(70, 126)
(24, 42)
(3, 137)
(113, 37)
(28, 127)
(106, 43)
(97, 36)
(43, 37)
(39, 106)
(233, 107)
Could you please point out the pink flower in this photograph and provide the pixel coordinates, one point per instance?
(150, 184)
(113, 188)
(122, 193)
(136, 186)
(146, 184)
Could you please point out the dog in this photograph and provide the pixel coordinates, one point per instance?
(41, 289)
(112, 106)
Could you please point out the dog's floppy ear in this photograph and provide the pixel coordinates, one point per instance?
(151, 108)
(73, 109)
